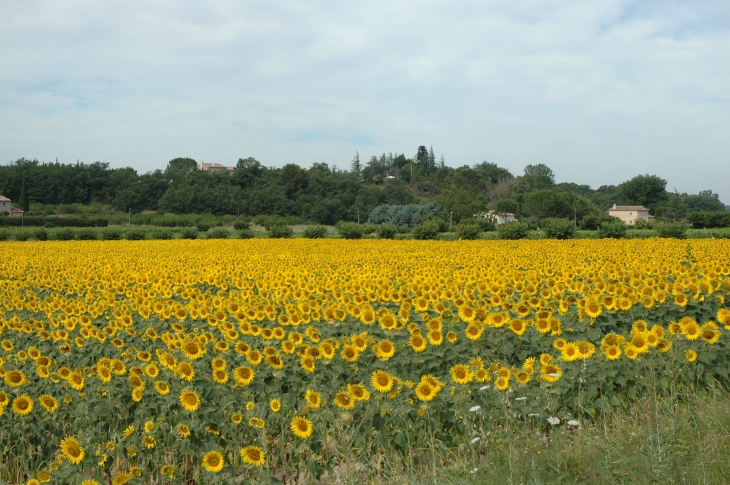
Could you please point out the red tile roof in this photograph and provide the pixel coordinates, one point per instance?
(4, 199)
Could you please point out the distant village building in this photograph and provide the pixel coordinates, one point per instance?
(630, 213)
(9, 209)
(214, 167)
(501, 218)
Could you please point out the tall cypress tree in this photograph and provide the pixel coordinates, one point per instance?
(24, 204)
(356, 165)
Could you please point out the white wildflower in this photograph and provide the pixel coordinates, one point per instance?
(520, 399)
(474, 440)
(475, 408)
(573, 422)
(484, 388)
(553, 420)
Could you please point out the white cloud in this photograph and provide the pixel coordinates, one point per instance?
(600, 91)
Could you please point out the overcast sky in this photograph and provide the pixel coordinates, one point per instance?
(600, 91)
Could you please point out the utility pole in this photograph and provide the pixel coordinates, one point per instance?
(358, 217)
(451, 216)
(130, 217)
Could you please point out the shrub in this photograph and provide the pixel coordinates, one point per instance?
(111, 234)
(241, 225)
(4, 235)
(315, 232)
(350, 230)
(386, 231)
(642, 224)
(63, 234)
(592, 222)
(22, 235)
(613, 229)
(709, 220)
(40, 234)
(189, 233)
(162, 234)
(270, 221)
(219, 233)
(513, 230)
(280, 231)
(85, 234)
(245, 234)
(401, 215)
(426, 230)
(135, 234)
(674, 230)
(468, 231)
(48, 225)
(506, 206)
(203, 227)
(555, 228)
(368, 229)
(485, 225)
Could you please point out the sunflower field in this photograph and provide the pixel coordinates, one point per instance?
(220, 361)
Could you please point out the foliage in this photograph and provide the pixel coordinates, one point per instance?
(506, 206)
(111, 234)
(485, 225)
(203, 226)
(612, 229)
(219, 233)
(85, 234)
(643, 224)
(350, 230)
(135, 234)
(63, 234)
(647, 190)
(54, 221)
(241, 224)
(189, 233)
(41, 234)
(513, 230)
(280, 231)
(315, 232)
(245, 234)
(161, 233)
(386, 231)
(468, 231)
(540, 345)
(22, 235)
(426, 230)
(592, 222)
(555, 228)
(709, 220)
(401, 215)
(539, 176)
(674, 230)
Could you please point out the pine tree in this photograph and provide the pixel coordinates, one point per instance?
(442, 162)
(24, 204)
(356, 165)
(431, 161)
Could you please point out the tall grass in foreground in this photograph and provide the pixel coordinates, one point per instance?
(658, 439)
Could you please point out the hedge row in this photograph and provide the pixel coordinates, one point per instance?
(48, 222)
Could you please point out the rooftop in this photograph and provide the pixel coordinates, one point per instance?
(628, 208)
(4, 199)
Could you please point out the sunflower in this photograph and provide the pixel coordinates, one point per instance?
(15, 378)
(569, 352)
(88, 481)
(220, 376)
(502, 383)
(690, 329)
(192, 350)
(382, 381)
(723, 316)
(236, 418)
(189, 400)
(185, 371)
(128, 431)
(218, 363)
(183, 430)
(49, 403)
(425, 391)
(518, 327)
(612, 352)
(275, 405)
(585, 349)
(550, 372)
(162, 388)
(105, 375)
(522, 377)
(344, 400)
(358, 392)
(137, 394)
(243, 375)
(681, 300)
(314, 400)
(44, 476)
(384, 349)
(307, 364)
(690, 355)
(213, 461)
(710, 332)
(435, 337)
(349, 353)
(302, 427)
(461, 374)
(149, 442)
(631, 352)
(22, 405)
(664, 345)
(71, 449)
(254, 357)
(451, 337)
(253, 455)
(472, 331)
(167, 470)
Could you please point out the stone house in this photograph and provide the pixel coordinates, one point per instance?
(214, 167)
(630, 213)
(9, 209)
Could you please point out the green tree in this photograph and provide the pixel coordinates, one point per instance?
(506, 206)
(647, 190)
(24, 203)
(675, 209)
(539, 177)
(706, 201)
(356, 166)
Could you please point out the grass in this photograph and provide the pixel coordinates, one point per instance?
(658, 439)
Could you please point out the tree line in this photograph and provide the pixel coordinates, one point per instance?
(325, 194)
